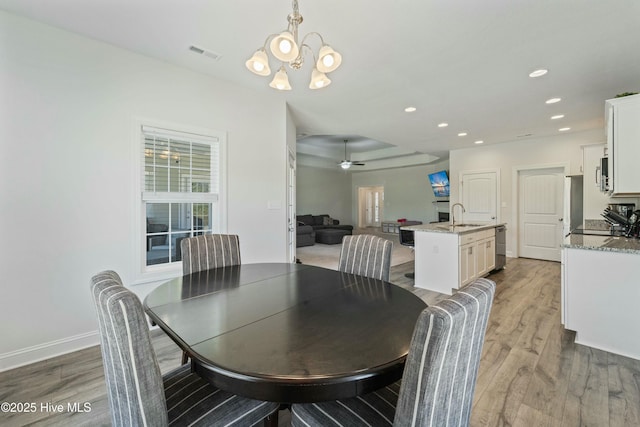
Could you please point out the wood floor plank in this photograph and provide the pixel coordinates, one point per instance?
(530, 417)
(624, 390)
(550, 381)
(500, 402)
(587, 400)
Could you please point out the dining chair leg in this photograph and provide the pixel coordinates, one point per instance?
(271, 420)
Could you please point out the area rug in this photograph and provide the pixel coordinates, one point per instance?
(327, 256)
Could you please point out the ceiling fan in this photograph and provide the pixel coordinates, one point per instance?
(346, 163)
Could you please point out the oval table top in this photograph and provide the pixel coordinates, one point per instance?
(288, 332)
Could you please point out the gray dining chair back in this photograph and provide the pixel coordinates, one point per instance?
(209, 251)
(366, 255)
(439, 377)
(138, 394)
(134, 382)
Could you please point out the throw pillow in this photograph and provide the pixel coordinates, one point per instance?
(326, 220)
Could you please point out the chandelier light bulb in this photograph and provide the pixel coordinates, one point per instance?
(318, 80)
(328, 59)
(285, 46)
(259, 63)
(280, 80)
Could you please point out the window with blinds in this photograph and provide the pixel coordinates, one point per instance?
(180, 190)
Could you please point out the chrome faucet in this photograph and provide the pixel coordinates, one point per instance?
(453, 217)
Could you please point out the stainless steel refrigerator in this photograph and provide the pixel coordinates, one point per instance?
(573, 203)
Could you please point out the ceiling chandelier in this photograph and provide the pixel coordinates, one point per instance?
(286, 48)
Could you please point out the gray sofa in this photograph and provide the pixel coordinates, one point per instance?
(309, 224)
(305, 235)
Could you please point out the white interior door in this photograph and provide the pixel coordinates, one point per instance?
(540, 213)
(479, 195)
(371, 201)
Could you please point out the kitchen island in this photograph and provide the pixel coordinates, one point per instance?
(448, 257)
(601, 292)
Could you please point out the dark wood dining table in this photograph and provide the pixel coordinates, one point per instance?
(288, 333)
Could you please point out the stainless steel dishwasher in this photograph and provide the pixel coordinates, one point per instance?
(501, 247)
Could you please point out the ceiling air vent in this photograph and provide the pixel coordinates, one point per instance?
(201, 51)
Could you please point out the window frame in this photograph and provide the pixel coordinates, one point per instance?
(147, 273)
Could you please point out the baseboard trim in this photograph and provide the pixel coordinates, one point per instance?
(37, 353)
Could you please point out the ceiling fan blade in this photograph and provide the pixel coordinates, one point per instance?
(357, 163)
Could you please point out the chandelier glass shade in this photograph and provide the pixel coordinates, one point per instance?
(286, 48)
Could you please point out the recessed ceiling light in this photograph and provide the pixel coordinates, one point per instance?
(410, 109)
(443, 125)
(564, 129)
(462, 134)
(553, 100)
(478, 142)
(538, 73)
(556, 117)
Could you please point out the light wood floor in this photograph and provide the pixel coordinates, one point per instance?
(531, 373)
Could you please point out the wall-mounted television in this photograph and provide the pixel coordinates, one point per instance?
(439, 183)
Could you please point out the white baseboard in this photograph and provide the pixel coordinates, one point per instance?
(36, 353)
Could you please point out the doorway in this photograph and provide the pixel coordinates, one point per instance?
(291, 208)
(540, 211)
(370, 206)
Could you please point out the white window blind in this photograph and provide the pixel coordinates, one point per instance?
(180, 190)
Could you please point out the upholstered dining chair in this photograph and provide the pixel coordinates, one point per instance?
(366, 255)
(138, 393)
(439, 377)
(209, 251)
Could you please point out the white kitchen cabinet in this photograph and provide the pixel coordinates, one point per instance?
(477, 255)
(467, 262)
(447, 259)
(485, 248)
(623, 144)
(490, 253)
(600, 299)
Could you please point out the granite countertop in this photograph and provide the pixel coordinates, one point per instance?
(445, 227)
(602, 243)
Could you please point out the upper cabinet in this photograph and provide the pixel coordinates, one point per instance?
(623, 145)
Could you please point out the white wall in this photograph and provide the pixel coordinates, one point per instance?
(407, 191)
(324, 191)
(507, 157)
(67, 165)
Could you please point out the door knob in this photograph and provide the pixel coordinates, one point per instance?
(560, 219)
